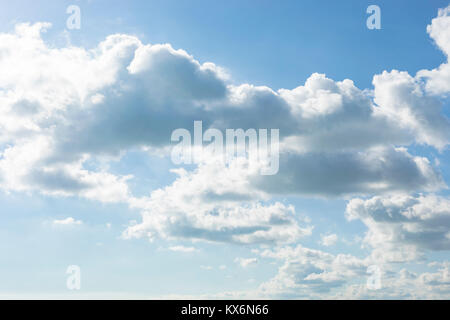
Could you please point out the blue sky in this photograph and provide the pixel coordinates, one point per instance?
(265, 43)
(86, 178)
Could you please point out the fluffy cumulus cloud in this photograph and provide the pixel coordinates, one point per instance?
(438, 80)
(404, 284)
(311, 273)
(224, 209)
(402, 227)
(65, 111)
(68, 105)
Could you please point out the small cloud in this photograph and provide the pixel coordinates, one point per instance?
(437, 162)
(108, 225)
(97, 98)
(67, 222)
(206, 267)
(182, 249)
(329, 240)
(244, 263)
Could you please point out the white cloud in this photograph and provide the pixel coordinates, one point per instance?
(23, 168)
(404, 284)
(329, 240)
(438, 80)
(182, 249)
(214, 203)
(315, 274)
(403, 227)
(246, 262)
(65, 108)
(332, 174)
(71, 105)
(67, 222)
(310, 273)
(401, 97)
(206, 267)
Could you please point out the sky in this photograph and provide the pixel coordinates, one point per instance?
(358, 209)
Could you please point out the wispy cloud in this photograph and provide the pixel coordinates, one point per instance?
(67, 222)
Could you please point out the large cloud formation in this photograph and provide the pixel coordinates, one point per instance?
(401, 227)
